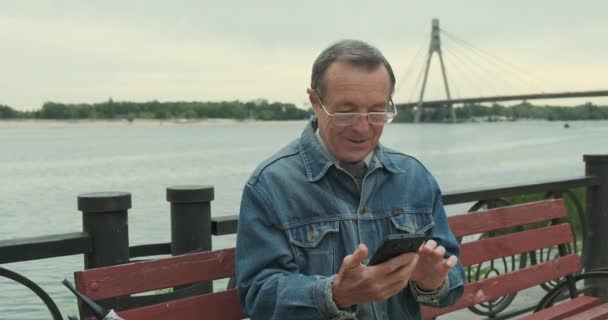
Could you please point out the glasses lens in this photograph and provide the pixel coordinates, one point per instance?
(345, 119)
(378, 118)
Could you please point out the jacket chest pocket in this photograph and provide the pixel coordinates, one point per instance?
(412, 221)
(314, 247)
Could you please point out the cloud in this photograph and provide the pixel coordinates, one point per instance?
(93, 60)
(75, 51)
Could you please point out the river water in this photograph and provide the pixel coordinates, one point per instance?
(45, 165)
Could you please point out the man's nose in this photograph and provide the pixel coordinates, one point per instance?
(361, 124)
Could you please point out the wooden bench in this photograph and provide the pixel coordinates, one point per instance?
(146, 276)
(553, 231)
(138, 277)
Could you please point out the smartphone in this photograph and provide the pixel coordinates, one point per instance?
(396, 244)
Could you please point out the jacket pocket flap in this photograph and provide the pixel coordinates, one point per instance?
(310, 235)
(413, 222)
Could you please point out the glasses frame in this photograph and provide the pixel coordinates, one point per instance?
(353, 114)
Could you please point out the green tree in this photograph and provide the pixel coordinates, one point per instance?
(7, 112)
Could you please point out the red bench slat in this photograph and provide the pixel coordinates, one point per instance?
(504, 284)
(506, 217)
(158, 274)
(598, 312)
(170, 272)
(514, 243)
(559, 311)
(217, 306)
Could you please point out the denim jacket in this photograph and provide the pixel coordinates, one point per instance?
(301, 214)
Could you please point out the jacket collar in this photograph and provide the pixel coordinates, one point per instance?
(317, 159)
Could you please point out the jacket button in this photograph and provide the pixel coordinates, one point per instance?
(363, 210)
(311, 235)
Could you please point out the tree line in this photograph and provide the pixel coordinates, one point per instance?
(497, 112)
(258, 110)
(263, 110)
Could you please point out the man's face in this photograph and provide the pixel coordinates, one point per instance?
(350, 88)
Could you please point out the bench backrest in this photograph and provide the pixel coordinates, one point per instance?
(511, 244)
(139, 277)
(146, 276)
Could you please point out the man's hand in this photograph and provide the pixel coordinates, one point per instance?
(357, 283)
(432, 269)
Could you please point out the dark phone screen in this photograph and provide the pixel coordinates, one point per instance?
(396, 244)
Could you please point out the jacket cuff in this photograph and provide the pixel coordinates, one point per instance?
(325, 301)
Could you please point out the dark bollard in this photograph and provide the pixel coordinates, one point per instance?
(104, 218)
(191, 220)
(595, 246)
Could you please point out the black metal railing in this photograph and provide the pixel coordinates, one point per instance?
(104, 239)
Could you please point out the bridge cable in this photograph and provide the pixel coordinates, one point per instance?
(507, 66)
(418, 84)
(455, 62)
(408, 70)
(523, 76)
(405, 85)
(495, 83)
(479, 71)
(482, 62)
(461, 75)
(488, 76)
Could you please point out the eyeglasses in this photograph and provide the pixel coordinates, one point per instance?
(344, 119)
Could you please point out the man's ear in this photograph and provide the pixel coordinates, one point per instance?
(312, 97)
(314, 101)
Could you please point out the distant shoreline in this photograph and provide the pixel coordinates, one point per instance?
(60, 123)
(106, 123)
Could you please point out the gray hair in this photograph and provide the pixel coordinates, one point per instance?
(355, 52)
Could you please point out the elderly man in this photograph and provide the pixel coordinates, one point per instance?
(313, 214)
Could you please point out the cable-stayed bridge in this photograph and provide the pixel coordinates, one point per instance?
(435, 48)
(532, 96)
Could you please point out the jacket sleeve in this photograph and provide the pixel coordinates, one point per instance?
(454, 286)
(269, 283)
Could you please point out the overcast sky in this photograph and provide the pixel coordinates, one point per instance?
(88, 51)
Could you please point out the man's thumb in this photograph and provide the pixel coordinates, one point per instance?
(355, 259)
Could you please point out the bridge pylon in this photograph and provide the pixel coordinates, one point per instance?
(435, 47)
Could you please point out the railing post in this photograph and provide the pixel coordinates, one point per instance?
(104, 218)
(191, 220)
(595, 253)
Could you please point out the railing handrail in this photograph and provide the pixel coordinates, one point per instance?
(464, 196)
(33, 248)
(227, 224)
(49, 246)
